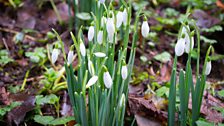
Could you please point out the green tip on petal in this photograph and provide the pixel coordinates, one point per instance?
(145, 18)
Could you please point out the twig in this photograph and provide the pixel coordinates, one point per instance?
(6, 46)
(15, 32)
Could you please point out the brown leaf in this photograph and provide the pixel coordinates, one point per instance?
(143, 121)
(4, 96)
(17, 114)
(204, 20)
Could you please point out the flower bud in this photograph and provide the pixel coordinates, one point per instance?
(103, 21)
(100, 37)
(99, 54)
(107, 78)
(55, 54)
(119, 18)
(91, 33)
(124, 72)
(82, 49)
(180, 46)
(91, 67)
(208, 68)
(187, 47)
(110, 28)
(145, 29)
(122, 100)
(125, 17)
(92, 81)
(70, 56)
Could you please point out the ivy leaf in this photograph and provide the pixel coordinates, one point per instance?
(63, 120)
(204, 123)
(162, 91)
(221, 93)
(49, 99)
(83, 16)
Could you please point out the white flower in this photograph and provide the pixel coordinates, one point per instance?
(187, 46)
(125, 17)
(91, 33)
(54, 55)
(110, 29)
(124, 72)
(122, 100)
(107, 79)
(145, 29)
(82, 49)
(179, 48)
(208, 68)
(70, 56)
(103, 21)
(99, 54)
(102, 1)
(100, 37)
(119, 18)
(91, 68)
(92, 81)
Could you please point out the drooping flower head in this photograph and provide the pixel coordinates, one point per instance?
(119, 17)
(91, 32)
(110, 28)
(70, 55)
(100, 36)
(145, 28)
(124, 70)
(92, 81)
(82, 49)
(180, 46)
(107, 78)
(208, 67)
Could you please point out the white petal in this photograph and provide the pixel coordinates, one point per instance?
(102, 1)
(82, 49)
(91, 68)
(99, 54)
(70, 56)
(124, 72)
(125, 17)
(103, 21)
(187, 48)
(208, 68)
(107, 79)
(91, 33)
(119, 18)
(110, 28)
(122, 100)
(145, 29)
(54, 55)
(100, 37)
(92, 81)
(179, 48)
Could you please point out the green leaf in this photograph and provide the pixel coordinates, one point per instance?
(8, 108)
(4, 57)
(163, 57)
(204, 123)
(221, 93)
(49, 99)
(44, 120)
(162, 91)
(212, 29)
(38, 55)
(63, 120)
(83, 16)
(206, 40)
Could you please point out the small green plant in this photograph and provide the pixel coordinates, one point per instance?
(38, 56)
(100, 74)
(8, 108)
(185, 43)
(4, 57)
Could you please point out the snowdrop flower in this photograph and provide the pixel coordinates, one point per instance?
(124, 71)
(145, 28)
(99, 54)
(55, 54)
(208, 68)
(110, 28)
(82, 49)
(180, 46)
(125, 17)
(100, 37)
(122, 100)
(92, 81)
(187, 46)
(119, 18)
(91, 68)
(103, 21)
(91, 33)
(107, 78)
(70, 56)
(102, 1)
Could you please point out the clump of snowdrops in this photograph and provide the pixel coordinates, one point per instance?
(98, 87)
(185, 44)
